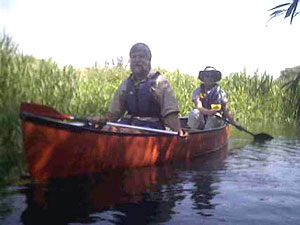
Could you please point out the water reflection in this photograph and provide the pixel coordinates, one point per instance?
(5, 207)
(139, 196)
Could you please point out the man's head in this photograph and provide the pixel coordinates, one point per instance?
(140, 60)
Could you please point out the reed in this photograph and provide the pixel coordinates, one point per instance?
(259, 97)
(89, 92)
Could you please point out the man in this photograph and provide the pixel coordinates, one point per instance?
(146, 96)
(209, 99)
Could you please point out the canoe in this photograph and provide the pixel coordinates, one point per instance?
(57, 148)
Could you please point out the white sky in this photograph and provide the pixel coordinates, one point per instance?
(187, 35)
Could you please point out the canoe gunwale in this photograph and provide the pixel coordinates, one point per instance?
(61, 124)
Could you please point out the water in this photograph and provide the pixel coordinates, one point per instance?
(246, 183)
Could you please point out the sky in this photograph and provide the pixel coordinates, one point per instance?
(187, 35)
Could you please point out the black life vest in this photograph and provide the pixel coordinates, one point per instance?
(140, 100)
(211, 98)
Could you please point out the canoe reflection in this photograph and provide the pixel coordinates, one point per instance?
(135, 196)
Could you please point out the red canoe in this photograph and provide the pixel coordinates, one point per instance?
(56, 148)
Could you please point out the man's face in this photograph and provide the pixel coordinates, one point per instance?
(140, 63)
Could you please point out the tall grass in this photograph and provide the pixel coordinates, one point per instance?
(95, 88)
(89, 92)
(259, 97)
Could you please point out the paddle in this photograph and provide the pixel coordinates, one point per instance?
(47, 111)
(257, 137)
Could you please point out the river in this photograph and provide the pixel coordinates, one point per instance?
(245, 183)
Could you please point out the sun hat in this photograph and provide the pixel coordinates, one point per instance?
(212, 72)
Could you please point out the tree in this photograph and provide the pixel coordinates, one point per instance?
(289, 9)
(291, 76)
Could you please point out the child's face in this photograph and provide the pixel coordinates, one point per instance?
(208, 80)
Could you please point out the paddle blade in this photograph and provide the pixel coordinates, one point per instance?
(262, 137)
(42, 110)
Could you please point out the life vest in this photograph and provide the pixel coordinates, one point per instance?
(140, 100)
(211, 99)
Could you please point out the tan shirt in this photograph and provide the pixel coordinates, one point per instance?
(163, 93)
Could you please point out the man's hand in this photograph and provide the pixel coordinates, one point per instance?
(98, 121)
(183, 133)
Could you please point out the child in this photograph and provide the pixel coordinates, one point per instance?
(209, 99)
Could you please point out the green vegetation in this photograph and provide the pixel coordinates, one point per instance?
(88, 92)
(259, 97)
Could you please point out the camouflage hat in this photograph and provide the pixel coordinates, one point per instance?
(210, 71)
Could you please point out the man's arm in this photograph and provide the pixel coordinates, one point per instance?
(172, 121)
(169, 106)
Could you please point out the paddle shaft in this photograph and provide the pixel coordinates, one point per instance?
(257, 137)
(47, 111)
(69, 117)
(238, 127)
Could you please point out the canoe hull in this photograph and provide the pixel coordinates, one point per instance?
(56, 151)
